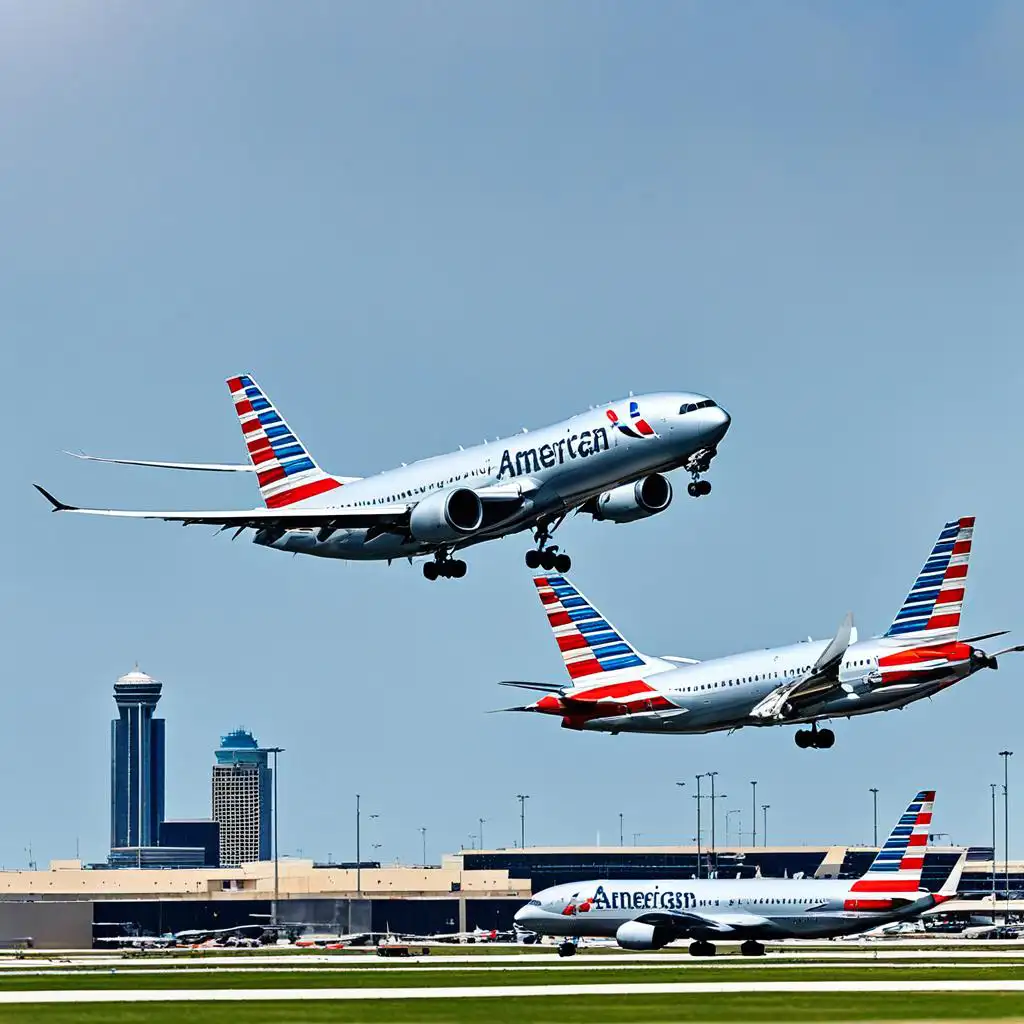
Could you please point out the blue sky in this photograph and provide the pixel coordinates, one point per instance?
(422, 223)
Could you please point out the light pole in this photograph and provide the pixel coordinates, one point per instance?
(359, 859)
(620, 828)
(728, 815)
(423, 836)
(874, 797)
(522, 798)
(753, 811)
(681, 784)
(993, 786)
(481, 822)
(273, 910)
(713, 851)
(1006, 755)
(697, 798)
(764, 832)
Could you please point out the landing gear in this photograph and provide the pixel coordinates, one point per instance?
(696, 465)
(752, 948)
(820, 739)
(701, 947)
(545, 555)
(567, 948)
(444, 565)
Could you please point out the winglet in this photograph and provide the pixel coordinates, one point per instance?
(58, 506)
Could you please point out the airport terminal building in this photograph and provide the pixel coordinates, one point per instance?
(71, 905)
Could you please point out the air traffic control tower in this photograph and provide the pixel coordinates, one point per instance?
(136, 763)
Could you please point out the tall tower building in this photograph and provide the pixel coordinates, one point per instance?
(136, 762)
(242, 787)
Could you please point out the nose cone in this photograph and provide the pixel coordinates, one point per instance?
(523, 915)
(718, 421)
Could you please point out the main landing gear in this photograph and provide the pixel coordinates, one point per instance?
(820, 739)
(545, 555)
(752, 948)
(698, 463)
(444, 565)
(701, 947)
(567, 948)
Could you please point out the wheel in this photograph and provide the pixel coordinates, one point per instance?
(458, 568)
(752, 948)
(691, 489)
(430, 570)
(563, 563)
(703, 488)
(826, 738)
(803, 739)
(533, 558)
(567, 949)
(547, 560)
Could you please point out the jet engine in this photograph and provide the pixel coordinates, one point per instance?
(637, 935)
(446, 516)
(629, 502)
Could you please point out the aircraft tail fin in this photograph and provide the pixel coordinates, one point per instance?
(589, 644)
(899, 863)
(287, 473)
(931, 611)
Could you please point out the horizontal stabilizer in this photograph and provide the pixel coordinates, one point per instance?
(983, 636)
(199, 467)
(526, 685)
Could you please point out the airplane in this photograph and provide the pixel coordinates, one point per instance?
(644, 915)
(615, 688)
(608, 462)
(193, 937)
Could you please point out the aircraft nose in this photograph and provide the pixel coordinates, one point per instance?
(718, 423)
(524, 915)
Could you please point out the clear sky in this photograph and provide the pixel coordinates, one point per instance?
(422, 223)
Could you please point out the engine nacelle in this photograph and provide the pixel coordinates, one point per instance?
(629, 502)
(446, 516)
(637, 935)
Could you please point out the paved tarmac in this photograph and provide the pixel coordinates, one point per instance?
(505, 991)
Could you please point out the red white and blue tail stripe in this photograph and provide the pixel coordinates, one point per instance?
(286, 471)
(589, 643)
(932, 608)
(899, 863)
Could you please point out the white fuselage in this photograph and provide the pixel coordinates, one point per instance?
(716, 908)
(541, 473)
(721, 693)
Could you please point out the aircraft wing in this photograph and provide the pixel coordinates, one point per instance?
(821, 680)
(686, 922)
(384, 517)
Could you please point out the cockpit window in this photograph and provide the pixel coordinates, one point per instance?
(691, 406)
(533, 903)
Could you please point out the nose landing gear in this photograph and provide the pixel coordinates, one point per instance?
(545, 555)
(567, 948)
(820, 739)
(696, 465)
(701, 947)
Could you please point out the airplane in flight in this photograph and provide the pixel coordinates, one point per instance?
(649, 914)
(609, 462)
(615, 688)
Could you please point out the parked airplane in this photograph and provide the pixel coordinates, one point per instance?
(614, 688)
(608, 462)
(649, 915)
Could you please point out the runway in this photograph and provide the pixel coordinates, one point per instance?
(506, 991)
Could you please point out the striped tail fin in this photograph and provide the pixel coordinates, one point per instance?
(932, 609)
(589, 644)
(899, 863)
(286, 471)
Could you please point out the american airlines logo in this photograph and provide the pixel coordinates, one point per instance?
(656, 899)
(547, 456)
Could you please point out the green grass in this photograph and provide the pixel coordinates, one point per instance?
(556, 1010)
(224, 979)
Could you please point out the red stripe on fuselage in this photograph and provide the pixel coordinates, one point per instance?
(303, 491)
(868, 885)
